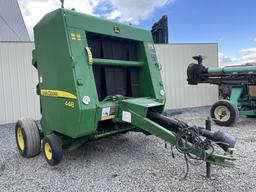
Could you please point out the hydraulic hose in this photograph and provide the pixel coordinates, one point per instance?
(224, 140)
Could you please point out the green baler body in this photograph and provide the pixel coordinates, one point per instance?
(98, 78)
(66, 75)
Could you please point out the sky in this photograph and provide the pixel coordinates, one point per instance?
(230, 23)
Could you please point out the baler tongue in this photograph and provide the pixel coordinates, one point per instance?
(142, 112)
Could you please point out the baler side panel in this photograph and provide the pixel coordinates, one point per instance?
(55, 73)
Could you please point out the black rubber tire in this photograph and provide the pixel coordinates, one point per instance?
(234, 113)
(56, 149)
(31, 137)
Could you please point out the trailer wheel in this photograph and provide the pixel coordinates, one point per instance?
(224, 113)
(53, 151)
(27, 137)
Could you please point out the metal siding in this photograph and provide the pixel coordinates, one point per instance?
(174, 59)
(18, 80)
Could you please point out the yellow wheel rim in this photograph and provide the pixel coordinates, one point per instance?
(48, 151)
(20, 138)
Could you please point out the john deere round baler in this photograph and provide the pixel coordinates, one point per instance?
(99, 78)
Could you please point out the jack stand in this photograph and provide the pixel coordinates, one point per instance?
(208, 165)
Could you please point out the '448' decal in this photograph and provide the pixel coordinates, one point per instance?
(70, 104)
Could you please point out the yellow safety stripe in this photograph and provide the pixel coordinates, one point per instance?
(89, 54)
(107, 117)
(57, 93)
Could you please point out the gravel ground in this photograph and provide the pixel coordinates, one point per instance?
(129, 162)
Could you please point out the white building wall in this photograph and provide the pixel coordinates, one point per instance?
(18, 79)
(174, 59)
